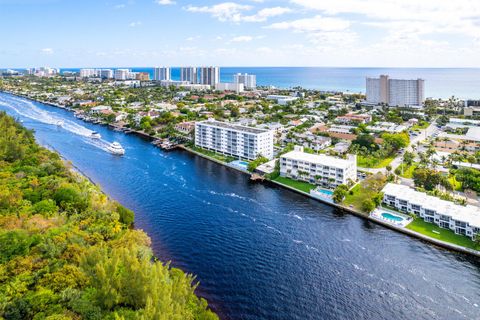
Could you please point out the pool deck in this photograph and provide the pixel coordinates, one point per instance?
(377, 214)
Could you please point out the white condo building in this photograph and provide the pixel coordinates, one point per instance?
(464, 220)
(395, 92)
(234, 140)
(161, 73)
(249, 80)
(106, 73)
(87, 73)
(189, 74)
(122, 74)
(229, 86)
(319, 169)
(210, 75)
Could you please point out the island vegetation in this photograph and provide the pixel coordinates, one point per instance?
(69, 252)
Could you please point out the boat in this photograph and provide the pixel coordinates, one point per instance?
(95, 135)
(59, 123)
(116, 148)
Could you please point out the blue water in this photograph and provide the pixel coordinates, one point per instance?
(392, 217)
(326, 192)
(260, 251)
(439, 82)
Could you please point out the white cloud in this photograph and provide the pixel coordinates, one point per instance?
(226, 11)
(234, 12)
(242, 39)
(266, 13)
(135, 24)
(165, 2)
(317, 23)
(422, 17)
(120, 6)
(47, 51)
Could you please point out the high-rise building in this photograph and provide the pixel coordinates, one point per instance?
(395, 92)
(87, 73)
(122, 74)
(234, 140)
(189, 74)
(249, 80)
(106, 73)
(143, 76)
(210, 75)
(161, 73)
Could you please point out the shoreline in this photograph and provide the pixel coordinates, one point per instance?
(408, 232)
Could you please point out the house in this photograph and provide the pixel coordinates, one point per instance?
(185, 127)
(354, 118)
(100, 109)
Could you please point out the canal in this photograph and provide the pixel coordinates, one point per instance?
(261, 252)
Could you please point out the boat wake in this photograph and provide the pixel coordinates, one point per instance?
(29, 110)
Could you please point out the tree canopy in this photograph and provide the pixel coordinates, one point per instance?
(68, 252)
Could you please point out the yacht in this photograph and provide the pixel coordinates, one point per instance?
(116, 148)
(95, 135)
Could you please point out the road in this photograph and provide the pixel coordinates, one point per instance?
(423, 135)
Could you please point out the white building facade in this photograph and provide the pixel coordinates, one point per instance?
(189, 74)
(234, 140)
(319, 169)
(395, 92)
(249, 80)
(463, 220)
(210, 76)
(161, 73)
(229, 86)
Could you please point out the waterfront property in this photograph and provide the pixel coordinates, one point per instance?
(320, 169)
(391, 217)
(234, 140)
(463, 220)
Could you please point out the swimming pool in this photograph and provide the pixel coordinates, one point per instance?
(325, 192)
(240, 164)
(392, 217)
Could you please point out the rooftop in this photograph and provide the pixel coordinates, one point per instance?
(232, 126)
(470, 214)
(319, 159)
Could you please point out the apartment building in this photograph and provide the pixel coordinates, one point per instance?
(210, 75)
(395, 92)
(233, 139)
(161, 73)
(319, 169)
(249, 80)
(189, 74)
(463, 220)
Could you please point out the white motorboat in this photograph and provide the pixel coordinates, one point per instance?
(60, 123)
(116, 148)
(95, 135)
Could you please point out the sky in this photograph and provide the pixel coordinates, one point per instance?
(335, 33)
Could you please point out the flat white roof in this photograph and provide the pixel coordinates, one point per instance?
(318, 159)
(470, 214)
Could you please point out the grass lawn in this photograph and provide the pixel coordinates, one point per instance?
(407, 171)
(457, 185)
(371, 162)
(212, 154)
(300, 185)
(446, 235)
(421, 125)
(357, 197)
